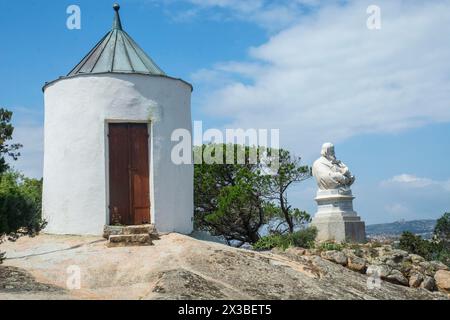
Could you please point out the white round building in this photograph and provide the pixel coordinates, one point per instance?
(107, 149)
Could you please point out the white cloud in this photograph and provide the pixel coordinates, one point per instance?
(270, 15)
(412, 181)
(328, 78)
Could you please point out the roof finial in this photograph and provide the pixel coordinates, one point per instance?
(117, 23)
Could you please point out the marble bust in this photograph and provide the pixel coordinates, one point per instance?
(335, 219)
(331, 173)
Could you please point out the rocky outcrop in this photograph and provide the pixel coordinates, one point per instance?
(356, 263)
(180, 267)
(392, 265)
(442, 279)
(335, 256)
(415, 279)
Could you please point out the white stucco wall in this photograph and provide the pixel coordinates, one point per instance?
(77, 112)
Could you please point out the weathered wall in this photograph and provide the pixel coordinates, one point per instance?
(77, 112)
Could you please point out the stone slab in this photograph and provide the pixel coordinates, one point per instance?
(129, 230)
(129, 240)
(340, 230)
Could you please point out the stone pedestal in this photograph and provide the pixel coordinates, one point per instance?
(335, 219)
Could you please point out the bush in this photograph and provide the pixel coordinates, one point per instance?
(272, 241)
(442, 230)
(20, 206)
(304, 238)
(427, 249)
(328, 246)
(437, 249)
(414, 244)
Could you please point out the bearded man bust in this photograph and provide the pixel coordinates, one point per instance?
(335, 218)
(331, 173)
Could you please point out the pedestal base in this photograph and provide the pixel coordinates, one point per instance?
(340, 231)
(335, 219)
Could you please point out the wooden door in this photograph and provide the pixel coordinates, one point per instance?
(129, 183)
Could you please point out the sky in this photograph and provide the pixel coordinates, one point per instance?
(310, 68)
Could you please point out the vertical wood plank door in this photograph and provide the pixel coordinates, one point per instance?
(129, 181)
(139, 182)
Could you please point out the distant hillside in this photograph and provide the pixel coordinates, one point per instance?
(395, 229)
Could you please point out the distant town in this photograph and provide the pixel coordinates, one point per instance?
(392, 231)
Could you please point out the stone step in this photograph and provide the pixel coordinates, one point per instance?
(130, 230)
(129, 240)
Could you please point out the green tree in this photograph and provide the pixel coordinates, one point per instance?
(6, 132)
(289, 172)
(437, 249)
(415, 244)
(442, 229)
(442, 238)
(237, 199)
(228, 198)
(20, 205)
(20, 197)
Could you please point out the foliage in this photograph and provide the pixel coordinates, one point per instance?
(20, 197)
(442, 229)
(6, 132)
(234, 199)
(415, 244)
(303, 238)
(289, 171)
(430, 250)
(228, 197)
(375, 244)
(442, 238)
(328, 246)
(20, 204)
(239, 213)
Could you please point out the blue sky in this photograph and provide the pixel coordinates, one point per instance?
(308, 67)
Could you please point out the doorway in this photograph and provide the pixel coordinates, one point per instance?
(129, 168)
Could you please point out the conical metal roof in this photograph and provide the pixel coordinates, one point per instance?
(117, 52)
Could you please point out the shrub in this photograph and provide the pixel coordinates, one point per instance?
(304, 238)
(20, 206)
(375, 244)
(442, 230)
(272, 241)
(444, 256)
(427, 249)
(328, 246)
(415, 244)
